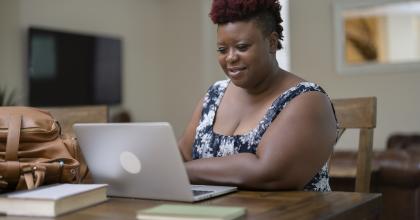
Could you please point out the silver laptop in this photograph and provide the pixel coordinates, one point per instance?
(140, 160)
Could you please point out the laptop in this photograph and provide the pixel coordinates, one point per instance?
(140, 160)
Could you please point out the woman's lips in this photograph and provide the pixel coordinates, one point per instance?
(235, 71)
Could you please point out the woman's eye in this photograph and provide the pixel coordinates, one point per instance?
(242, 47)
(221, 50)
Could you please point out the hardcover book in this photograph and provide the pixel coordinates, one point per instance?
(53, 200)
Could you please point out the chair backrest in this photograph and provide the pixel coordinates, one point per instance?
(67, 116)
(359, 113)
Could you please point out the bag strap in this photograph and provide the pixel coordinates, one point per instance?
(12, 172)
(13, 136)
(34, 176)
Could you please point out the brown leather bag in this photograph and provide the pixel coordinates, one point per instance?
(32, 150)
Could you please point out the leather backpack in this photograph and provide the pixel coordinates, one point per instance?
(33, 152)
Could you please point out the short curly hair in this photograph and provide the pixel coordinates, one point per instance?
(265, 12)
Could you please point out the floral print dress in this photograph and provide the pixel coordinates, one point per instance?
(209, 144)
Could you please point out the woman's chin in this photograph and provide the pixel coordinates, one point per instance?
(240, 82)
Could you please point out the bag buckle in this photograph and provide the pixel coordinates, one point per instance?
(34, 176)
(28, 169)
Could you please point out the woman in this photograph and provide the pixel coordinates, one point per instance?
(263, 128)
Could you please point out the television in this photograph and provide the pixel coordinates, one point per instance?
(68, 69)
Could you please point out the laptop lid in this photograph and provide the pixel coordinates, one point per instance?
(139, 160)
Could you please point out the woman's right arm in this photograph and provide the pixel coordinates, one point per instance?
(186, 141)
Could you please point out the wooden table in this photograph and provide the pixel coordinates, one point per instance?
(260, 205)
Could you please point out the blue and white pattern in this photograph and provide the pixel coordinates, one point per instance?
(209, 144)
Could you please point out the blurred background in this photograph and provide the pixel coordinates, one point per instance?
(165, 58)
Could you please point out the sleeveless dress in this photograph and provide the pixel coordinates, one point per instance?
(209, 144)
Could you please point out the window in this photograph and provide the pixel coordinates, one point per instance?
(283, 55)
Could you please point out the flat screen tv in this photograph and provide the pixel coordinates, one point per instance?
(66, 69)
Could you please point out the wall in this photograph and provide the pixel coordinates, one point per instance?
(10, 49)
(168, 59)
(188, 57)
(312, 57)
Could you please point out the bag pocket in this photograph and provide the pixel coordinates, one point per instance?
(37, 125)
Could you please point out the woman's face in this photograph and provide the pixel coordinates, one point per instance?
(244, 53)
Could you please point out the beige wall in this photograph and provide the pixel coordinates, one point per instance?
(10, 48)
(169, 55)
(312, 56)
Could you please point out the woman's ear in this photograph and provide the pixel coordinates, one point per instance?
(274, 41)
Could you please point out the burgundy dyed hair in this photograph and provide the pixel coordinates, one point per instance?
(265, 12)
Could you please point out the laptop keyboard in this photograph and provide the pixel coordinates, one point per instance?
(200, 192)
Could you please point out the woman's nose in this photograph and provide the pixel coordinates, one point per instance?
(231, 56)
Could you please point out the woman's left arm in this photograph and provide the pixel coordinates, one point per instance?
(293, 149)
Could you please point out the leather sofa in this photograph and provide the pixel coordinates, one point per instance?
(395, 174)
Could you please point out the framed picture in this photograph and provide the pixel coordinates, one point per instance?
(377, 36)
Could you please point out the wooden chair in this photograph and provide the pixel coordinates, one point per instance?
(359, 113)
(67, 116)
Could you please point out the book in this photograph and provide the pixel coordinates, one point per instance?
(53, 200)
(185, 212)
